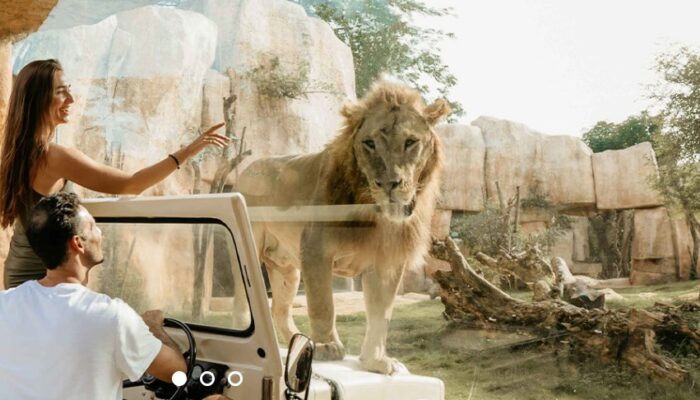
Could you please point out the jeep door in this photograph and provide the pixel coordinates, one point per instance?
(194, 258)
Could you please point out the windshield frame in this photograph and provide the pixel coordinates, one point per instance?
(191, 221)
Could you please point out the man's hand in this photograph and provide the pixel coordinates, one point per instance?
(217, 397)
(169, 360)
(154, 321)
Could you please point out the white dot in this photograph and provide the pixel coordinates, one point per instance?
(179, 378)
(238, 375)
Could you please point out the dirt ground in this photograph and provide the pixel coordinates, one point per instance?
(352, 302)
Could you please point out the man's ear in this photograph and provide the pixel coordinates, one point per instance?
(436, 111)
(76, 244)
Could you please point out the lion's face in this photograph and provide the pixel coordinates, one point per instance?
(392, 146)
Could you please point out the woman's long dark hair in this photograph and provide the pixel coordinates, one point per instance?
(25, 140)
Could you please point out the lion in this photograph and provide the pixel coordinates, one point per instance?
(386, 155)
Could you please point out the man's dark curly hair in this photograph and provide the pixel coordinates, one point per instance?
(52, 223)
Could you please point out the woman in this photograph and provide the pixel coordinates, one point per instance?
(32, 166)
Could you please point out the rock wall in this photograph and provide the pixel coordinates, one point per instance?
(251, 33)
(129, 78)
(462, 185)
(653, 255)
(623, 178)
(22, 17)
(557, 168)
(563, 171)
(138, 92)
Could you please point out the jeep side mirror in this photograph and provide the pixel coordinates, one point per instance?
(297, 372)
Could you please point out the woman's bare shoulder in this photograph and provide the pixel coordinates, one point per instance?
(58, 153)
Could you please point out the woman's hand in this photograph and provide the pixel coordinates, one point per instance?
(209, 137)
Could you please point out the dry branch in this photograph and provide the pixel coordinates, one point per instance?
(626, 336)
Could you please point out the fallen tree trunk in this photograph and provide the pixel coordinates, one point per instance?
(547, 280)
(626, 336)
(575, 290)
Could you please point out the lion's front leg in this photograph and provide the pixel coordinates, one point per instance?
(285, 283)
(379, 293)
(318, 275)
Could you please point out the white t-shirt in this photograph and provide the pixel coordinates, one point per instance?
(68, 342)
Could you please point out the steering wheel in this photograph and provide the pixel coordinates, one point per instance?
(164, 389)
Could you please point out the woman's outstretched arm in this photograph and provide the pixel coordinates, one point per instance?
(73, 165)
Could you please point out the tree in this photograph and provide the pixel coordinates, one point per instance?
(610, 136)
(384, 39)
(678, 143)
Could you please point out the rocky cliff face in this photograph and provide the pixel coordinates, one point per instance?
(139, 89)
(563, 171)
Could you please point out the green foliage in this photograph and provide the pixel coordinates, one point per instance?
(679, 96)
(487, 231)
(384, 39)
(678, 144)
(635, 129)
(274, 80)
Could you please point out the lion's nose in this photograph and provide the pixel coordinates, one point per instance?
(394, 184)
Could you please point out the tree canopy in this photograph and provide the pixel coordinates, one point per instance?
(384, 39)
(610, 136)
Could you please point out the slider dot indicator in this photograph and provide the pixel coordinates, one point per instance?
(179, 378)
(208, 381)
(237, 378)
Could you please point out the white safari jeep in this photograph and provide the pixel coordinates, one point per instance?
(194, 258)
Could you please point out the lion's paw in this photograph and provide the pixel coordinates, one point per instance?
(329, 351)
(384, 365)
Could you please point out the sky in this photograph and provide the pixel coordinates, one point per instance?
(559, 66)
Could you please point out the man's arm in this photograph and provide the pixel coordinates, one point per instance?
(169, 360)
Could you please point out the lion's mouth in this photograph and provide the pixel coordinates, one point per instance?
(408, 208)
(398, 211)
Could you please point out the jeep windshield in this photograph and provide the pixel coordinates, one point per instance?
(188, 268)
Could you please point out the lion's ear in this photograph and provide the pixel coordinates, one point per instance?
(436, 111)
(353, 114)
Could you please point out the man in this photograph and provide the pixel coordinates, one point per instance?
(61, 340)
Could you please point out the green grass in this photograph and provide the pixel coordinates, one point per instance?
(476, 365)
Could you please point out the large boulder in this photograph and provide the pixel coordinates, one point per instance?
(512, 150)
(623, 178)
(253, 34)
(462, 185)
(71, 13)
(567, 172)
(138, 91)
(683, 247)
(22, 17)
(440, 224)
(653, 255)
(582, 247)
(555, 168)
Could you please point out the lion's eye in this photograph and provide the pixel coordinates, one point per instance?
(410, 142)
(369, 144)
